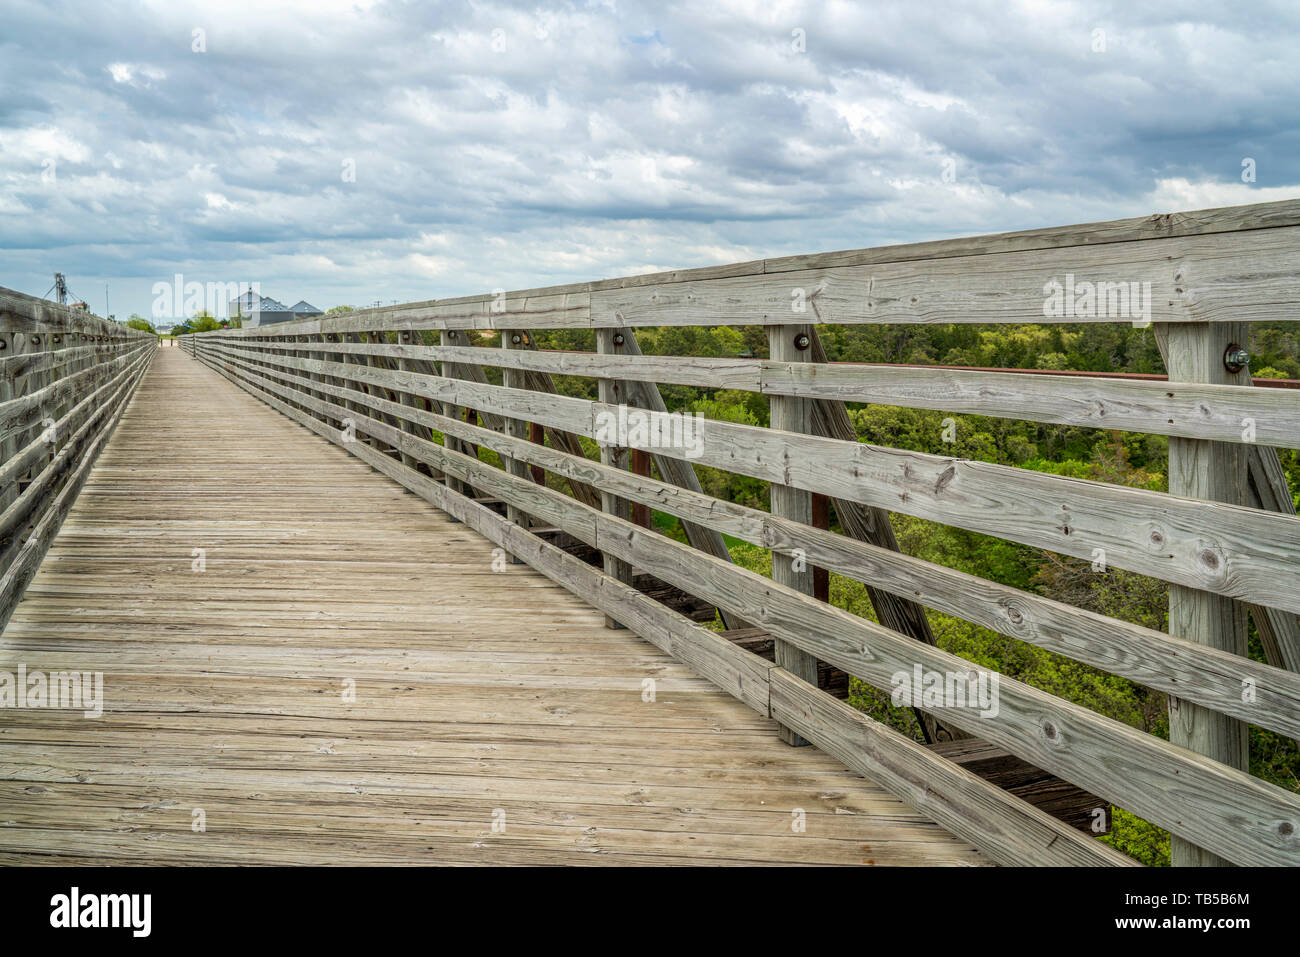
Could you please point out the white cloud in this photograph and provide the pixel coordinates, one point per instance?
(136, 74)
(607, 139)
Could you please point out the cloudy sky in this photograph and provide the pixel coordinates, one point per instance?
(349, 152)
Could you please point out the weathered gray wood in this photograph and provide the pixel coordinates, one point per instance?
(640, 390)
(1157, 226)
(8, 444)
(22, 313)
(565, 441)
(1221, 808)
(613, 392)
(677, 471)
(568, 306)
(409, 343)
(21, 415)
(831, 419)
(1064, 801)
(1268, 489)
(1141, 654)
(1239, 552)
(1279, 631)
(606, 777)
(23, 460)
(548, 308)
(1012, 831)
(1134, 405)
(12, 364)
(1217, 807)
(64, 476)
(1214, 471)
(370, 338)
(1244, 276)
(1138, 405)
(517, 428)
(1007, 829)
(451, 370)
(33, 342)
(790, 343)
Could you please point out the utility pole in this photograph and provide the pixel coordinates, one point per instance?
(60, 289)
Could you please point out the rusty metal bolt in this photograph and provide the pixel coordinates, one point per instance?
(1235, 358)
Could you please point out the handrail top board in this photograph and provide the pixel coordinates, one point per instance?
(20, 312)
(570, 305)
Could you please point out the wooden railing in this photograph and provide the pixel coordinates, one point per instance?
(65, 377)
(1225, 536)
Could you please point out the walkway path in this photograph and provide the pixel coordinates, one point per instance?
(482, 697)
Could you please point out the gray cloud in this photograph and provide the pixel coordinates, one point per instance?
(499, 144)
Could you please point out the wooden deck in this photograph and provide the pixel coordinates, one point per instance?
(477, 692)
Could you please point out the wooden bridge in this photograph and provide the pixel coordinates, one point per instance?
(303, 662)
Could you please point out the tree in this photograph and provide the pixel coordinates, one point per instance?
(203, 322)
(141, 323)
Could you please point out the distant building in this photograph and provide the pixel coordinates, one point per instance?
(257, 310)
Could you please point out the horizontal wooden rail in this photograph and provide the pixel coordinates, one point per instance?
(1241, 552)
(1234, 263)
(1217, 412)
(65, 377)
(1005, 827)
(1152, 658)
(1254, 826)
(367, 381)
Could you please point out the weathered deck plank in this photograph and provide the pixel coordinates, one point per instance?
(476, 690)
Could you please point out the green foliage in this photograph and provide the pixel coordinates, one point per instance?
(1129, 459)
(1139, 839)
(203, 322)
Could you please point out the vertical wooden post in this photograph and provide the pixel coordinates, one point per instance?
(516, 428)
(359, 385)
(9, 343)
(450, 337)
(613, 392)
(645, 395)
(44, 342)
(1266, 485)
(406, 338)
(314, 356)
(790, 343)
(1215, 471)
(8, 446)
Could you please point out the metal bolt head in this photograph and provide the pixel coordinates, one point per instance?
(802, 341)
(516, 339)
(1235, 358)
(619, 339)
